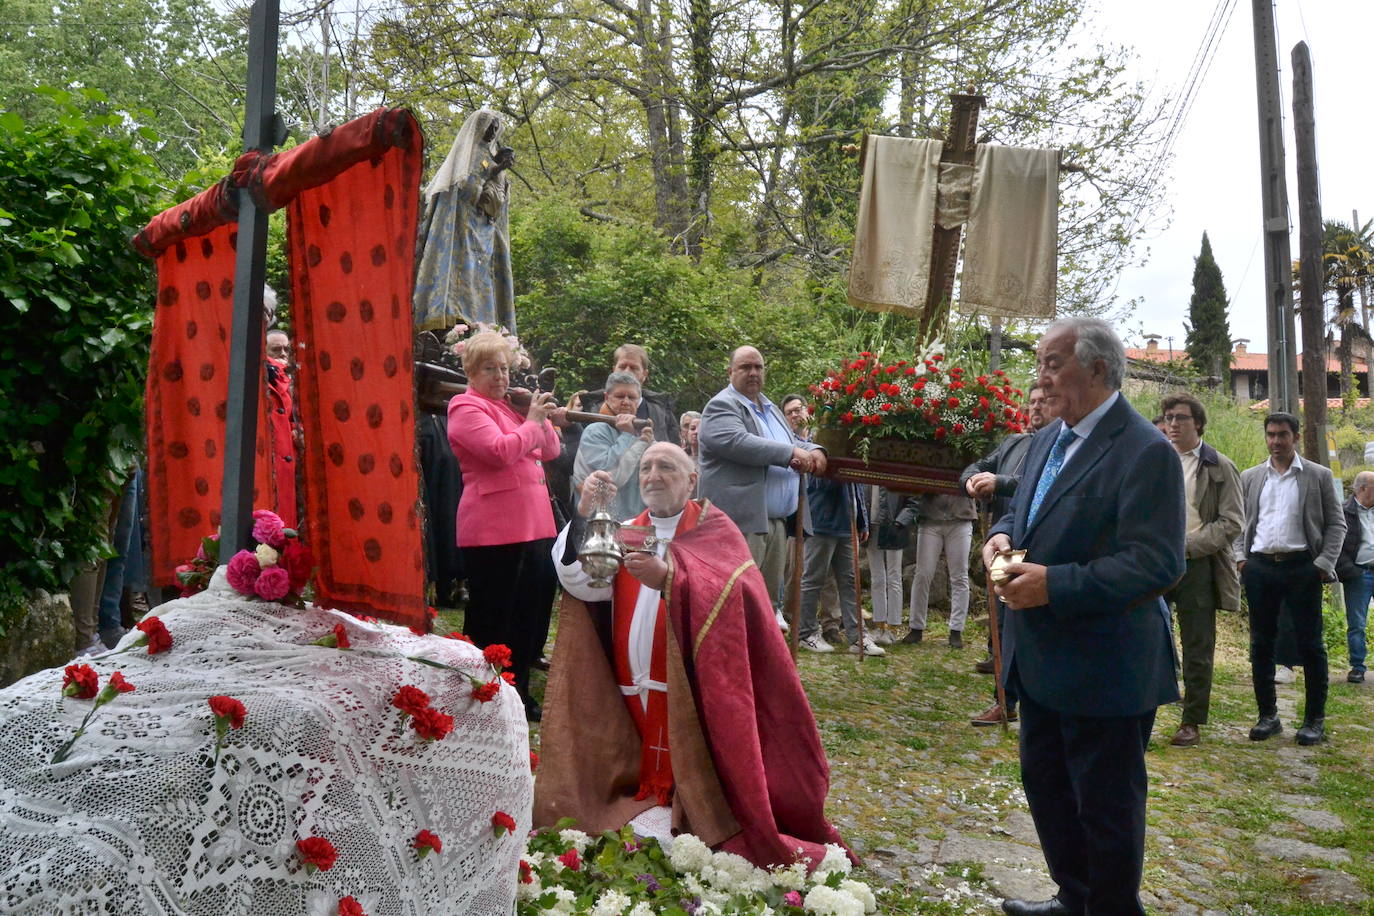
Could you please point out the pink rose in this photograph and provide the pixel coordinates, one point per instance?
(268, 528)
(243, 572)
(273, 584)
(792, 898)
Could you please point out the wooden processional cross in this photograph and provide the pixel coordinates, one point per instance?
(262, 130)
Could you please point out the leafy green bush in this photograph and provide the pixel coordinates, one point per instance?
(74, 333)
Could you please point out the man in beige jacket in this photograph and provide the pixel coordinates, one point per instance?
(1215, 517)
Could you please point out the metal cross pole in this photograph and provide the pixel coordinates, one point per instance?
(250, 269)
(944, 254)
(852, 499)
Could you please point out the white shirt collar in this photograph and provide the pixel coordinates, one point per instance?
(666, 524)
(761, 403)
(1084, 427)
(1295, 467)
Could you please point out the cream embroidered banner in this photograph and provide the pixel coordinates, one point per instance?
(890, 271)
(1011, 247)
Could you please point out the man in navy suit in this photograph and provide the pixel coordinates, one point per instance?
(1100, 513)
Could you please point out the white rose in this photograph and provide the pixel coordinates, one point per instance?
(267, 556)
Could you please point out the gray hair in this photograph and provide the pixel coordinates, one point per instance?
(619, 379)
(1095, 340)
(689, 415)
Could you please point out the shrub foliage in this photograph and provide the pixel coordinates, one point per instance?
(74, 332)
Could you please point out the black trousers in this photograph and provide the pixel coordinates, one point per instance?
(1269, 586)
(510, 601)
(1085, 781)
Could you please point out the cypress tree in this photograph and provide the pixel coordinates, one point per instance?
(1209, 335)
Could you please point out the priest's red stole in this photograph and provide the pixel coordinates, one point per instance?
(655, 761)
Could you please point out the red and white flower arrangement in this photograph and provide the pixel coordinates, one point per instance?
(921, 398)
(278, 568)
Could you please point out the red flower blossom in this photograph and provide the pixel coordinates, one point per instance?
(316, 852)
(952, 402)
(156, 634)
(458, 636)
(341, 634)
(870, 394)
(910, 370)
(484, 693)
(890, 369)
(571, 860)
(298, 562)
(118, 683)
(433, 612)
(410, 700)
(918, 384)
(497, 655)
(229, 709)
(425, 841)
(884, 406)
(958, 428)
(534, 761)
(80, 681)
(847, 418)
(940, 432)
(418, 631)
(918, 402)
(526, 873)
(501, 822)
(348, 906)
(508, 677)
(431, 724)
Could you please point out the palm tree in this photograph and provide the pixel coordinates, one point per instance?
(1347, 267)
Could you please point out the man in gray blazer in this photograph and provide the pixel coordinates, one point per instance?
(750, 458)
(1294, 528)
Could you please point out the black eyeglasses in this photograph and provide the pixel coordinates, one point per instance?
(1177, 417)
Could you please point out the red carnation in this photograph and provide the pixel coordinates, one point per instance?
(431, 724)
(484, 693)
(410, 700)
(890, 369)
(497, 655)
(953, 402)
(298, 562)
(870, 394)
(155, 634)
(426, 841)
(418, 630)
(508, 677)
(917, 402)
(534, 761)
(847, 418)
(80, 681)
(118, 683)
(316, 852)
(501, 822)
(341, 634)
(228, 709)
(571, 860)
(348, 906)
(526, 873)
(939, 432)
(458, 636)
(958, 427)
(433, 612)
(910, 370)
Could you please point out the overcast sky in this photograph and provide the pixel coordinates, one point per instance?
(1214, 182)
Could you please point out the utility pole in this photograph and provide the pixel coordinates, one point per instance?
(260, 129)
(324, 72)
(1278, 256)
(1314, 358)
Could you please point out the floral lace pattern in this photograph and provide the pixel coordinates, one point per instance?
(140, 819)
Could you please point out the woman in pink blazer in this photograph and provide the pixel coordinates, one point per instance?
(505, 523)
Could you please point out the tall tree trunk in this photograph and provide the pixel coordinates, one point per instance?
(671, 204)
(701, 161)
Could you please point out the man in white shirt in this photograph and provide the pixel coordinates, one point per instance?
(1214, 518)
(1355, 568)
(1294, 529)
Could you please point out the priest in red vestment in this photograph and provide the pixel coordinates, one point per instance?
(672, 703)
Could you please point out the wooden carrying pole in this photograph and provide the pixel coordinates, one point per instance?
(794, 585)
(854, 557)
(993, 632)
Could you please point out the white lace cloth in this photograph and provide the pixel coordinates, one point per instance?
(139, 819)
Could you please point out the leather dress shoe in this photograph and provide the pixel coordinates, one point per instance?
(985, 667)
(1313, 731)
(1356, 676)
(1051, 907)
(1266, 727)
(993, 716)
(1186, 736)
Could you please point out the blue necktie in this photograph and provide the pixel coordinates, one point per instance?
(1053, 464)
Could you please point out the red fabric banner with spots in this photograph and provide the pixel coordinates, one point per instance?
(353, 194)
(352, 248)
(187, 378)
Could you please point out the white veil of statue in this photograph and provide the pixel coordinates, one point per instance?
(463, 244)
